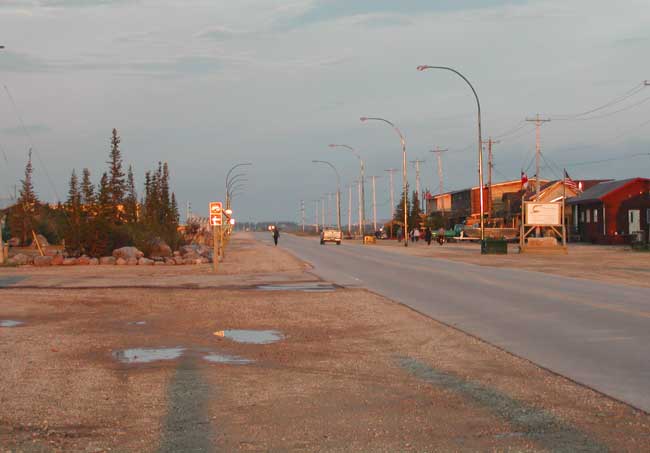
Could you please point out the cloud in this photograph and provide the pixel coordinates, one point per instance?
(62, 3)
(30, 129)
(329, 10)
(385, 21)
(20, 62)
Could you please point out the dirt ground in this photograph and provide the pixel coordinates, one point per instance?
(352, 371)
(613, 264)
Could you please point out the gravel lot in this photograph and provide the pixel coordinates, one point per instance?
(351, 372)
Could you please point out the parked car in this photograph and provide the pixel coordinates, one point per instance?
(331, 235)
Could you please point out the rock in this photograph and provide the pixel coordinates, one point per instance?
(170, 261)
(108, 260)
(70, 262)
(51, 252)
(159, 248)
(41, 240)
(13, 242)
(20, 259)
(57, 260)
(179, 261)
(177, 253)
(188, 260)
(198, 261)
(132, 262)
(127, 252)
(83, 260)
(121, 262)
(159, 263)
(205, 261)
(93, 262)
(42, 261)
(145, 262)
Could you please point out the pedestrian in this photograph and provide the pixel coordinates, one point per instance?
(276, 235)
(428, 235)
(416, 234)
(411, 236)
(399, 234)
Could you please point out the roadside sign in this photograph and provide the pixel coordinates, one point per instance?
(216, 213)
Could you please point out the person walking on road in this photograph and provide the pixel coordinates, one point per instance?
(276, 235)
(428, 236)
(416, 234)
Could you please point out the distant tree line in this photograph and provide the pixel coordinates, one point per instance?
(94, 220)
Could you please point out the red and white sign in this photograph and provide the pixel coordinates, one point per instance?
(216, 213)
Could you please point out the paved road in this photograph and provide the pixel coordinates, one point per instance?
(594, 333)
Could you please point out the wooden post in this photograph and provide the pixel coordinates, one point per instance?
(215, 251)
(38, 245)
(2, 243)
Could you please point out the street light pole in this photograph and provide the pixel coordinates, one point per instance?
(392, 199)
(480, 139)
(338, 190)
(362, 201)
(404, 176)
(374, 202)
(243, 164)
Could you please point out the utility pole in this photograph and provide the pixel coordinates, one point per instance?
(392, 199)
(490, 142)
(302, 214)
(361, 214)
(538, 149)
(374, 202)
(322, 212)
(350, 210)
(188, 212)
(438, 152)
(316, 214)
(417, 163)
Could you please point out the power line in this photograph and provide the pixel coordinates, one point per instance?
(631, 92)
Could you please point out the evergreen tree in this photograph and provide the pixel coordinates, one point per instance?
(176, 217)
(117, 185)
(131, 198)
(22, 220)
(167, 215)
(104, 207)
(87, 191)
(415, 217)
(398, 218)
(72, 232)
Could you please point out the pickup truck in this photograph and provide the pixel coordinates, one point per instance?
(331, 235)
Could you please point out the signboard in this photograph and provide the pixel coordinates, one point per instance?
(544, 214)
(216, 213)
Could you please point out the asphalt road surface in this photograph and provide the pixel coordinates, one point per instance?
(593, 333)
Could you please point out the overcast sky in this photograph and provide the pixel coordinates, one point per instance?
(205, 84)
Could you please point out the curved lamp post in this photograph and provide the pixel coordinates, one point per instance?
(243, 164)
(338, 190)
(404, 176)
(480, 139)
(362, 201)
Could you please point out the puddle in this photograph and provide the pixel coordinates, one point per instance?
(227, 359)
(10, 280)
(10, 323)
(251, 336)
(138, 323)
(307, 287)
(147, 355)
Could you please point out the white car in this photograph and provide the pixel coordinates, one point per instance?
(331, 235)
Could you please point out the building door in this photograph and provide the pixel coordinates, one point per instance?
(634, 220)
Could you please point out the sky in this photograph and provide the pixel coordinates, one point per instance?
(207, 84)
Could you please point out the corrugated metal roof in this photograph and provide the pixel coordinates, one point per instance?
(597, 192)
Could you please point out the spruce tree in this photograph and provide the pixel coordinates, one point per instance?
(131, 198)
(398, 218)
(22, 220)
(415, 214)
(87, 191)
(73, 211)
(104, 207)
(117, 185)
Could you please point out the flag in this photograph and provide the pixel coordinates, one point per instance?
(570, 183)
(524, 181)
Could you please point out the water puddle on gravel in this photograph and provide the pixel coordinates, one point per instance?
(138, 323)
(307, 287)
(227, 359)
(250, 336)
(10, 323)
(146, 355)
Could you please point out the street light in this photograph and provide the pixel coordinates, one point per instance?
(480, 139)
(243, 164)
(338, 190)
(404, 177)
(362, 201)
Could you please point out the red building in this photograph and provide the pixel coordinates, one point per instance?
(613, 212)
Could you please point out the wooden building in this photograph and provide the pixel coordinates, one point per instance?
(614, 212)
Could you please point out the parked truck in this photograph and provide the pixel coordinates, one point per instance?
(331, 235)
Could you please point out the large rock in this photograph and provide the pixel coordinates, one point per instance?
(70, 262)
(159, 248)
(121, 262)
(94, 261)
(145, 262)
(41, 240)
(43, 261)
(127, 252)
(20, 259)
(13, 242)
(132, 262)
(83, 260)
(57, 260)
(107, 260)
(170, 261)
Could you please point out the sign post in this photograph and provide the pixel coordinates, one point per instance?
(542, 215)
(216, 220)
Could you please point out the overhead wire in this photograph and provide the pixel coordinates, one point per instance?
(628, 94)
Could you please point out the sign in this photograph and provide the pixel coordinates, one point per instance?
(544, 214)
(216, 213)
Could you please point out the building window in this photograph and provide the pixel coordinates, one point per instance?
(595, 215)
(588, 216)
